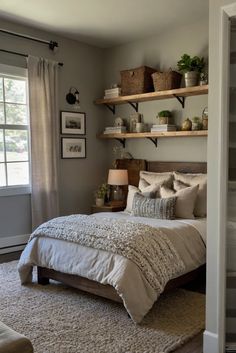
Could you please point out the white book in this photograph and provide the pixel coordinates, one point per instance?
(114, 132)
(115, 128)
(109, 96)
(162, 129)
(113, 90)
(163, 125)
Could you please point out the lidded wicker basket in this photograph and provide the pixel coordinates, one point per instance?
(136, 81)
(163, 81)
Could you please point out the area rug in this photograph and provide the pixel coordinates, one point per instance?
(58, 319)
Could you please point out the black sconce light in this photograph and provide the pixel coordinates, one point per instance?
(73, 96)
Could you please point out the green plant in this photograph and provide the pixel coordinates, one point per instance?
(101, 191)
(188, 63)
(165, 113)
(196, 119)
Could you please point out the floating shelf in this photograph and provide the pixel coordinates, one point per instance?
(152, 136)
(133, 100)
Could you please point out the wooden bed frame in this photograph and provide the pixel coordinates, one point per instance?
(134, 166)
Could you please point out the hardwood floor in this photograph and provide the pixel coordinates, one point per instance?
(193, 346)
(10, 256)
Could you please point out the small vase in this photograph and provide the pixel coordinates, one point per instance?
(187, 125)
(205, 123)
(99, 202)
(191, 78)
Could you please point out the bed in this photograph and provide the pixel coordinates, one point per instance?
(111, 275)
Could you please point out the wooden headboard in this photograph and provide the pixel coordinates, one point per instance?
(182, 167)
(135, 165)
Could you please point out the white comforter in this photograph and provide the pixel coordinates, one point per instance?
(188, 237)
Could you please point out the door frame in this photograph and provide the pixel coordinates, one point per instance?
(214, 335)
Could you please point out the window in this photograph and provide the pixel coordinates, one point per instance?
(14, 131)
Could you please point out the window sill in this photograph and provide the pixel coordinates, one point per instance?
(15, 190)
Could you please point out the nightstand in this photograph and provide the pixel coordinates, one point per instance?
(107, 208)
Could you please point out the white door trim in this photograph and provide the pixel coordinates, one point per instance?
(214, 341)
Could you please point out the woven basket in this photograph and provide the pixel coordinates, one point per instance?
(163, 81)
(135, 81)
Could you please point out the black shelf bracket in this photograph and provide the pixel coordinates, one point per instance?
(154, 140)
(181, 100)
(112, 108)
(122, 141)
(134, 105)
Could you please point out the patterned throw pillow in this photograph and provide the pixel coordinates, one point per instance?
(153, 208)
(150, 191)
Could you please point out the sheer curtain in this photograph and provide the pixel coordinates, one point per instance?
(43, 102)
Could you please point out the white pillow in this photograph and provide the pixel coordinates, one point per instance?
(150, 191)
(185, 200)
(192, 180)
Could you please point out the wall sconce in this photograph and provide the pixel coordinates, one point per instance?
(73, 96)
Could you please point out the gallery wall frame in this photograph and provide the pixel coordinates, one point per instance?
(73, 147)
(73, 123)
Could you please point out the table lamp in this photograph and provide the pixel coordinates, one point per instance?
(117, 178)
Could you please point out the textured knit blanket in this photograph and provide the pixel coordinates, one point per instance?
(148, 247)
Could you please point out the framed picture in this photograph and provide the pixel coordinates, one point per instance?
(73, 147)
(73, 123)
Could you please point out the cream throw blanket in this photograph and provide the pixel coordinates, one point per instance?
(149, 248)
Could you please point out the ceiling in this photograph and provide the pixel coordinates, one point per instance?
(104, 23)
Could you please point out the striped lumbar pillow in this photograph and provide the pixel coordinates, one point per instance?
(153, 208)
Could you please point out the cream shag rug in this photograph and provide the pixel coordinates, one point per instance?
(58, 319)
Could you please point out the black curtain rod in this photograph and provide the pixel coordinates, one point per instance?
(51, 43)
(20, 54)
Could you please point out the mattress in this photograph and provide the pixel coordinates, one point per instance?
(187, 236)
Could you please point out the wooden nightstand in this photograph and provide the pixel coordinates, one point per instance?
(107, 208)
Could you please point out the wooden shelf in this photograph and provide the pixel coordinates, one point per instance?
(133, 135)
(152, 136)
(179, 93)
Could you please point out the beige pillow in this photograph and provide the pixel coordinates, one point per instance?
(185, 200)
(178, 185)
(145, 187)
(192, 180)
(156, 178)
(147, 192)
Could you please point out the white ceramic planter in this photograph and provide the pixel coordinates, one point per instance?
(99, 202)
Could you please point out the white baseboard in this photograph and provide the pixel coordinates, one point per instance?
(13, 243)
(210, 342)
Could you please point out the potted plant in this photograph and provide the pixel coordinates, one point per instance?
(191, 67)
(196, 123)
(164, 117)
(100, 194)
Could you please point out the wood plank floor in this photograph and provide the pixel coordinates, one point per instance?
(193, 346)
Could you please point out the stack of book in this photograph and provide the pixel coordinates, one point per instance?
(115, 130)
(164, 127)
(112, 93)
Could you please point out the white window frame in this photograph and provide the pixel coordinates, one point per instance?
(16, 72)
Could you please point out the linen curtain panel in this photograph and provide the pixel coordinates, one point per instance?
(43, 102)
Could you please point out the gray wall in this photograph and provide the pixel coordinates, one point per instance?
(84, 69)
(162, 52)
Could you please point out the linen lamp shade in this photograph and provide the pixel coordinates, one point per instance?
(118, 177)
